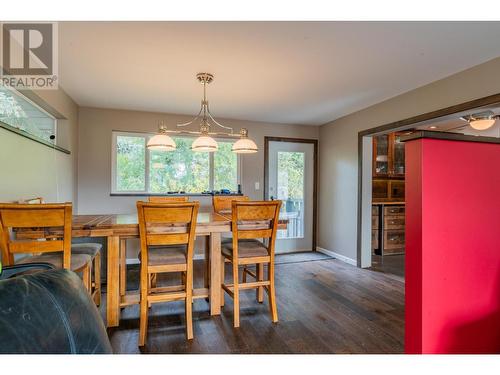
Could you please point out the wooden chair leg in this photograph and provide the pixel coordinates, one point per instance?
(143, 317)
(272, 293)
(97, 279)
(259, 271)
(86, 275)
(207, 262)
(123, 266)
(244, 276)
(189, 305)
(222, 276)
(236, 297)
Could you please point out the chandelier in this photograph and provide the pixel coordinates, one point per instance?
(205, 141)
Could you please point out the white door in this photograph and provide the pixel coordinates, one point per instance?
(291, 180)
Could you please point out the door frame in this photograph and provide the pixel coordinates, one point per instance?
(314, 142)
(366, 135)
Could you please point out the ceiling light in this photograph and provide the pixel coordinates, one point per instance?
(482, 124)
(433, 127)
(244, 145)
(161, 141)
(204, 142)
(481, 121)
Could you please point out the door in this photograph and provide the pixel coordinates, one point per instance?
(291, 180)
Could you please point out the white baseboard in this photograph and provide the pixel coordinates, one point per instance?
(335, 255)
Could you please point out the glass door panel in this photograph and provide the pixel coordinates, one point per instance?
(398, 156)
(290, 191)
(382, 155)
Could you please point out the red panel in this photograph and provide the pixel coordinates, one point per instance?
(413, 243)
(453, 247)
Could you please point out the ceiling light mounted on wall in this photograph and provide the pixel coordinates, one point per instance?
(481, 121)
(205, 142)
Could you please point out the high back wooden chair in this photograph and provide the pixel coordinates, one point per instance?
(222, 204)
(123, 243)
(167, 234)
(23, 229)
(163, 199)
(252, 221)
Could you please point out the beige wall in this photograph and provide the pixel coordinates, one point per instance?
(94, 158)
(34, 169)
(338, 187)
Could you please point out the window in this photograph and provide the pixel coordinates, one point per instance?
(136, 169)
(18, 112)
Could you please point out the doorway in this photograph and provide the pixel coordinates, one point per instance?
(290, 176)
(374, 162)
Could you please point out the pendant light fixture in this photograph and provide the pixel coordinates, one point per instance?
(162, 141)
(205, 142)
(481, 121)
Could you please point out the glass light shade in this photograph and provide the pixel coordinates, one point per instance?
(244, 146)
(482, 124)
(204, 143)
(161, 142)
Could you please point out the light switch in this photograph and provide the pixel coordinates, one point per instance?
(257, 186)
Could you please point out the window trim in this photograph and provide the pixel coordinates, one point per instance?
(147, 192)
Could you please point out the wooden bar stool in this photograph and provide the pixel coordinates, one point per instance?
(31, 223)
(222, 205)
(123, 244)
(245, 249)
(167, 234)
(91, 249)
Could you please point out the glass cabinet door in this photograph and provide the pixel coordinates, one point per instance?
(398, 156)
(381, 155)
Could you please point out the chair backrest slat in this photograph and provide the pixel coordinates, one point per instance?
(19, 218)
(32, 218)
(167, 239)
(30, 247)
(167, 223)
(223, 203)
(158, 214)
(245, 226)
(162, 199)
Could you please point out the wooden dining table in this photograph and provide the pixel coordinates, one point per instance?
(117, 227)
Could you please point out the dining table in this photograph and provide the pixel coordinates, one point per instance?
(119, 227)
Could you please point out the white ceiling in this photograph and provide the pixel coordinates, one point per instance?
(283, 72)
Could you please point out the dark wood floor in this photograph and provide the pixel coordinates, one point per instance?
(324, 306)
(389, 264)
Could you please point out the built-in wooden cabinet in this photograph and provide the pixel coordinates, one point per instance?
(388, 228)
(388, 156)
(388, 195)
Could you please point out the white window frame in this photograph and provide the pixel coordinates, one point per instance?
(147, 136)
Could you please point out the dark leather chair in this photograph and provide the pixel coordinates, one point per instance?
(48, 312)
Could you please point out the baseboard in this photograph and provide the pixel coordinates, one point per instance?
(335, 255)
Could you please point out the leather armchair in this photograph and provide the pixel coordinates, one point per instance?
(49, 312)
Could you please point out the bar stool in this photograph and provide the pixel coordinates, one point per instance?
(91, 249)
(43, 229)
(167, 234)
(245, 249)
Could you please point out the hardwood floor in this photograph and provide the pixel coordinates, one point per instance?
(324, 306)
(389, 264)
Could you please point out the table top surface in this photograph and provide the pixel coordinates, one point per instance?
(128, 220)
(131, 220)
